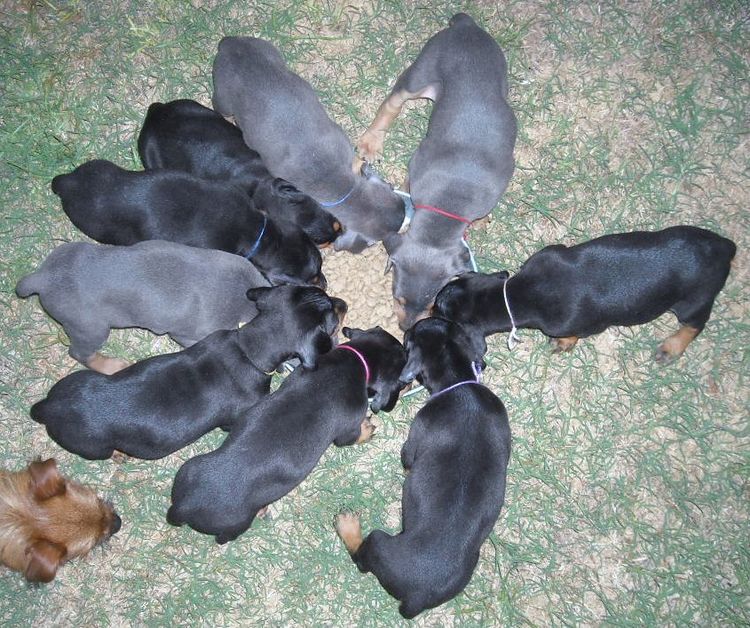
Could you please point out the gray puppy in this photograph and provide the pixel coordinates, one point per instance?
(462, 166)
(165, 287)
(282, 119)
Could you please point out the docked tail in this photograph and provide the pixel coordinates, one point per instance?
(28, 285)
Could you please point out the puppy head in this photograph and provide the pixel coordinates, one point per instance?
(285, 201)
(436, 347)
(60, 519)
(419, 272)
(295, 259)
(386, 358)
(464, 299)
(302, 318)
(381, 212)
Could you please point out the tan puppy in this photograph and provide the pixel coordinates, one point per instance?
(46, 520)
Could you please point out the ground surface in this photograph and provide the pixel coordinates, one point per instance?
(627, 498)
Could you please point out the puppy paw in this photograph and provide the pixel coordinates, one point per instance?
(262, 513)
(349, 530)
(366, 430)
(119, 457)
(106, 365)
(370, 145)
(674, 346)
(563, 344)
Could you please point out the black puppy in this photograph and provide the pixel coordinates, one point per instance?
(185, 135)
(117, 206)
(161, 404)
(281, 439)
(457, 453)
(620, 279)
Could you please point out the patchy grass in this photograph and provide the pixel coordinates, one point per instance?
(627, 497)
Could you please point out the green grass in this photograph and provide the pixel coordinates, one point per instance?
(627, 498)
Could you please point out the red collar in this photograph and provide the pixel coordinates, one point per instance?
(442, 212)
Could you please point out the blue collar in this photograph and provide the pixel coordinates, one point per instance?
(257, 242)
(341, 200)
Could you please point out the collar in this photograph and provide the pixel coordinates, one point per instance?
(361, 359)
(513, 338)
(260, 236)
(442, 212)
(478, 380)
(341, 200)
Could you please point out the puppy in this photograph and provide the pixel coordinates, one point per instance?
(282, 118)
(281, 439)
(185, 135)
(462, 166)
(164, 403)
(621, 279)
(457, 453)
(162, 286)
(116, 206)
(47, 520)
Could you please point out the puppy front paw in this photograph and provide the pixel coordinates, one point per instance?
(366, 430)
(563, 344)
(370, 145)
(349, 530)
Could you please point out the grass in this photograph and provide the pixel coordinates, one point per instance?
(627, 497)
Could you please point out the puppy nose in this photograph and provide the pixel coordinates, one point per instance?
(116, 524)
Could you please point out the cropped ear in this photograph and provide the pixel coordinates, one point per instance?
(44, 559)
(256, 294)
(46, 480)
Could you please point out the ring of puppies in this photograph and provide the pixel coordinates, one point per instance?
(216, 244)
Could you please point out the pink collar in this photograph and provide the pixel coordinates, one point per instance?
(442, 212)
(361, 359)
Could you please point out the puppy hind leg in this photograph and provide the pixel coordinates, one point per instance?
(84, 345)
(674, 346)
(370, 145)
(349, 530)
(566, 343)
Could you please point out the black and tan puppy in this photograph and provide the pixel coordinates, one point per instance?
(161, 404)
(185, 135)
(116, 206)
(166, 287)
(457, 453)
(281, 117)
(621, 279)
(281, 439)
(462, 166)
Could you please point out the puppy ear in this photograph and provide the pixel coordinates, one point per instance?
(46, 480)
(392, 244)
(256, 294)
(385, 399)
(44, 559)
(351, 332)
(412, 368)
(320, 342)
(477, 343)
(283, 188)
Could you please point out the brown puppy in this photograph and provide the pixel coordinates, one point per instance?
(46, 519)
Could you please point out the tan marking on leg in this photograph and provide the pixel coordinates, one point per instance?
(349, 530)
(563, 344)
(106, 365)
(119, 457)
(674, 346)
(370, 145)
(366, 430)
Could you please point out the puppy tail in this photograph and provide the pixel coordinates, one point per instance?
(28, 285)
(460, 18)
(38, 410)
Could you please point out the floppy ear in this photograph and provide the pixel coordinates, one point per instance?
(478, 345)
(351, 332)
(256, 294)
(412, 367)
(319, 342)
(385, 399)
(392, 243)
(46, 480)
(44, 559)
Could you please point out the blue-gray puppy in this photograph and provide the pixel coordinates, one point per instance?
(165, 287)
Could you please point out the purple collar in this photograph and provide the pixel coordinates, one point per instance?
(478, 380)
(361, 359)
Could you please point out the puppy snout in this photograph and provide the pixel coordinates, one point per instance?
(116, 524)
